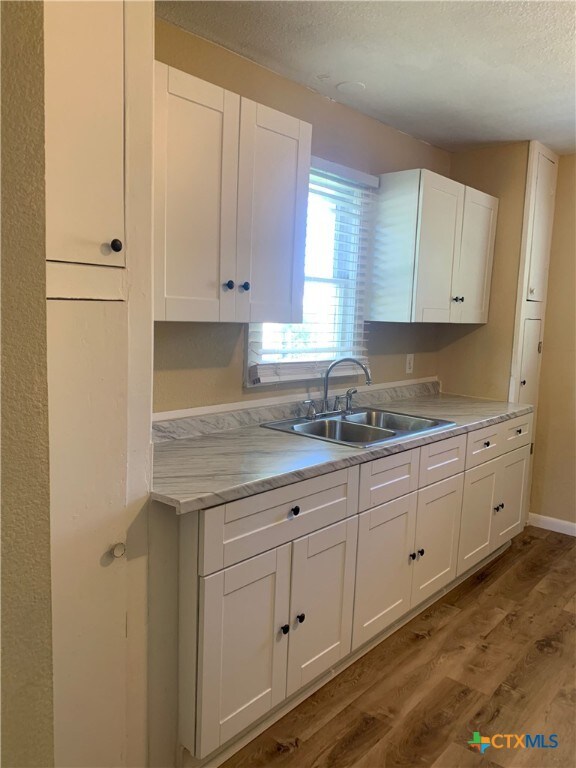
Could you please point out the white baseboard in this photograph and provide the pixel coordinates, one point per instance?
(552, 524)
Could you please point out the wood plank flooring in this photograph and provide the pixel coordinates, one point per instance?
(495, 655)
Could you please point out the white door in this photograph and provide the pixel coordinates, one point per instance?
(384, 566)
(243, 644)
(321, 602)
(274, 168)
(472, 270)
(438, 245)
(87, 393)
(196, 167)
(477, 512)
(530, 362)
(511, 496)
(84, 127)
(436, 541)
(543, 219)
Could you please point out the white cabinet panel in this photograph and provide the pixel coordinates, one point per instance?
(530, 363)
(436, 542)
(472, 270)
(438, 245)
(542, 221)
(274, 168)
(477, 511)
(384, 567)
(84, 127)
(511, 496)
(385, 479)
(196, 167)
(321, 602)
(242, 648)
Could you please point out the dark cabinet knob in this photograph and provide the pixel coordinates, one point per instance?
(295, 511)
(116, 245)
(497, 508)
(301, 617)
(229, 285)
(487, 444)
(285, 628)
(523, 382)
(412, 555)
(462, 299)
(245, 285)
(421, 552)
(502, 505)
(519, 431)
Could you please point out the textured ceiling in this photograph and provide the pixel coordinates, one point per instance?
(451, 73)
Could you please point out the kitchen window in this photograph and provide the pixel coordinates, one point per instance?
(337, 237)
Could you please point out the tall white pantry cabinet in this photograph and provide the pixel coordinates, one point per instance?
(231, 191)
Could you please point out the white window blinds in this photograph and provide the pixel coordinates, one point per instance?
(338, 231)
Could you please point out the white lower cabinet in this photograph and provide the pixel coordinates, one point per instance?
(267, 628)
(511, 496)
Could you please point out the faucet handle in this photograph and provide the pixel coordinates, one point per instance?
(339, 401)
(311, 413)
(349, 394)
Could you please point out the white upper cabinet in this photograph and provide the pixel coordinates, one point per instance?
(84, 132)
(473, 261)
(432, 252)
(542, 219)
(231, 190)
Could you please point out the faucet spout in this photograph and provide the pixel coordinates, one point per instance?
(333, 365)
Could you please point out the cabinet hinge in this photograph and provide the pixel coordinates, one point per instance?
(539, 346)
(531, 448)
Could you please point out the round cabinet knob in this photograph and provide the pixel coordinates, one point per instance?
(523, 383)
(300, 618)
(519, 431)
(502, 505)
(229, 285)
(118, 550)
(421, 552)
(116, 245)
(496, 509)
(245, 285)
(487, 444)
(462, 299)
(412, 555)
(285, 628)
(295, 511)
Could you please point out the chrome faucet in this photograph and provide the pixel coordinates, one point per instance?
(333, 365)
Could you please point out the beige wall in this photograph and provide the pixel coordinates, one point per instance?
(26, 620)
(554, 477)
(202, 363)
(475, 360)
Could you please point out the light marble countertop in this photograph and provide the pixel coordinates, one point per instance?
(204, 471)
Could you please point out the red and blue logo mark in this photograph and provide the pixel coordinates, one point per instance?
(513, 741)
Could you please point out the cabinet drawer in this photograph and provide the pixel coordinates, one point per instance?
(239, 530)
(483, 445)
(442, 459)
(388, 478)
(516, 433)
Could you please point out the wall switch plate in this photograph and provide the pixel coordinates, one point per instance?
(409, 363)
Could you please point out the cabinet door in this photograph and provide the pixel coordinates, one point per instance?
(438, 245)
(472, 270)
(321, 601)
(196, 165)
(530, 362)
(436, 542)
(84, 127)
(242, 649)
(511, 496)
(384, 568)
(542, 221)
(274, 168)
(477, 511)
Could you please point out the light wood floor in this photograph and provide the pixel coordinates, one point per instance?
(495, 655)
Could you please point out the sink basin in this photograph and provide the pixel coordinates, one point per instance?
(361, 428)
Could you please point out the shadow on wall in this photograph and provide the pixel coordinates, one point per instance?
(405, 338)
(189, 346)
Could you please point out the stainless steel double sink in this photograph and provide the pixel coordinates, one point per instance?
(360, 427)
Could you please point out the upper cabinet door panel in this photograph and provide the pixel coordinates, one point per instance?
(274, 167)
(543, 218)
(438, 245)
(196, 169)
(473, 263)
(84, 128)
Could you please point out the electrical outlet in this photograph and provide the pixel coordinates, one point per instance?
(409, 363)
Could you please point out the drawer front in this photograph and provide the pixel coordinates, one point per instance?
(515, 433)
(442, 459)
(242, 529)
(388, 478)
(483, 445)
